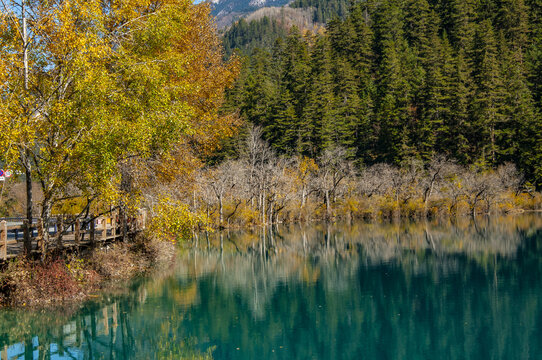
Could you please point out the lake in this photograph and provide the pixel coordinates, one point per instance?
(421, 290)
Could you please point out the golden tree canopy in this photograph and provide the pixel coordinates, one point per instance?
(107, 82)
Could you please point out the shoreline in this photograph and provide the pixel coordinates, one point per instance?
(72, 278)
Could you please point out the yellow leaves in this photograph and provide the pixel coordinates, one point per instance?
(307, 165)
(180, 164)
(174, 221)
(136, 79)
(73, 30)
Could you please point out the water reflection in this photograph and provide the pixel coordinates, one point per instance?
(383, 241)
(378, 291)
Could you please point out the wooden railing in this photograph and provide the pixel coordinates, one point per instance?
(66, 232)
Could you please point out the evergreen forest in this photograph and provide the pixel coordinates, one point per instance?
(324, 10)
(395, 80)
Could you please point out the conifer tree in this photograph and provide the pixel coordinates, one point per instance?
(318, 121)
(347, 114)
(489, 96)
(394, 110)
(395, 79)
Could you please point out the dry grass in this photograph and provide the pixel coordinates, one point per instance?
(69, 278)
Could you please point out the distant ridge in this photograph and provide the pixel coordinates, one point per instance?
(227, 11)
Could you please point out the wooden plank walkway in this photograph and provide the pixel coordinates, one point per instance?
(77, 234)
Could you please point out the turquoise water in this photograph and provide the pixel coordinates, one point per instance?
(365, 291)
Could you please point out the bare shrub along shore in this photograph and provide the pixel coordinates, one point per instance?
(262, 188)
(71, 278)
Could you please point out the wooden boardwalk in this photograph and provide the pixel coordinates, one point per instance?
(64, 234)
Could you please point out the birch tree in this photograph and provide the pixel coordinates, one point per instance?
(91, 87)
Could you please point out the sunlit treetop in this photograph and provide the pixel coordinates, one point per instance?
(108, 82)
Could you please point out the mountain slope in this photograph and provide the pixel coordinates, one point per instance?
(227, 11)
(261, 28)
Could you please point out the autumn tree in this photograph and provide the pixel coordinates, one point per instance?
(92, 90)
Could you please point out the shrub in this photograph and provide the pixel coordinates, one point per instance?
(174, 221)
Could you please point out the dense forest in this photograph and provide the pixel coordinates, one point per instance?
(397, 80)
(324, 10)
(247, 36)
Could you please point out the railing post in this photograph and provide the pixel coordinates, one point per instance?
(77, 232)
(92, 232)
(4, 239)
(123, 225)
(41, 242)
(104, 228)
(60, 228)
(114, 226)
(27, 238)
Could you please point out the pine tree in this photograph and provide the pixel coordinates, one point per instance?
(347, 106)
(436, 94)
(361, 56)
(296, 68)
(458, 126)
(462, 27)
(281, 128)
(394, 108)
(517, 136)
(489, 96)
(513, 20)
(318, 127)
(535, 50)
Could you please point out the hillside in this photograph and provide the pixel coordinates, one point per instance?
(402, 79)
(260, 28)
(264, 26)
(227, 11)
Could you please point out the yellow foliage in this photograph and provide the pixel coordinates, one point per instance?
(174, 221)
(413, 207)
(135, 83)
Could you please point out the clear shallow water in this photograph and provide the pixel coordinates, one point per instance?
(395, 291)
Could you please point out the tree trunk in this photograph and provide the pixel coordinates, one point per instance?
(29, 201)
(427, 196)
(45, 216)
(263, 207)
(328, 204)
(25, 44)
(126, 182)
(27, 237)
(26, 154)
(473, 209)
(194, 200)
(220, 210)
